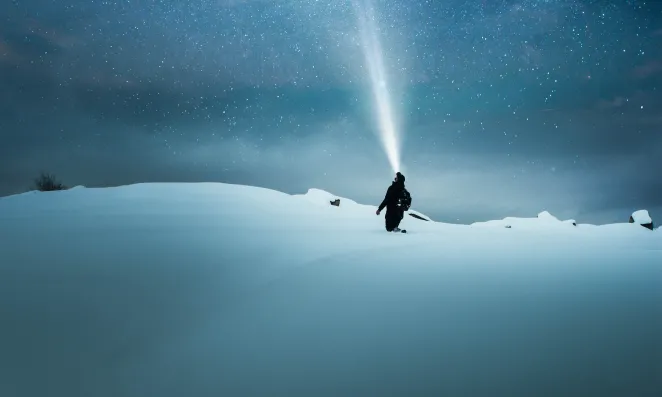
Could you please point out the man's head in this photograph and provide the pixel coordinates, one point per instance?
(399, 177)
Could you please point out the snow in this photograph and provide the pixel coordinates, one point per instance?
(544, 220)
(213, 289)
(641, 217)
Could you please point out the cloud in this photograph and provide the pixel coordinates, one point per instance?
(648, 69)
(44, 53)
(636, 99)
(458, 187)
(237, 3)
(612, 104)
(651, 120)
(52, 35)
(8, 55)
(450, 184)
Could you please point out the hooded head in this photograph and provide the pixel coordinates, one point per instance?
(399, 178)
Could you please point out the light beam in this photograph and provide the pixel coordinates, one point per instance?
(372, 51)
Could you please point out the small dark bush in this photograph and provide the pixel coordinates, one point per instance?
(48, 183)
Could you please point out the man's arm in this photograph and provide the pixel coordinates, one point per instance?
(386, 200)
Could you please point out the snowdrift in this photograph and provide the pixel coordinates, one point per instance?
(544, 220)
(213, 289)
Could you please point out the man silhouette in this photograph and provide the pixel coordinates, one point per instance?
(394, 213)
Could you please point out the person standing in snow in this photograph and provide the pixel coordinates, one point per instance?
(396, 201)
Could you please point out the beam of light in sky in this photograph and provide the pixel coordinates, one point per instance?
(372, 51)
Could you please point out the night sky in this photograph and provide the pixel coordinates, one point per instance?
(507, 107)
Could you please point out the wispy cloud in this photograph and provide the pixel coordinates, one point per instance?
(636, 98)
(235, 3)
(7, 55)
(651, 120)
(54, 36)
(612, 103)
(648, 69)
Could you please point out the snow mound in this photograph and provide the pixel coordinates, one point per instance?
(543, 220)
(641, 217)
(547, 217)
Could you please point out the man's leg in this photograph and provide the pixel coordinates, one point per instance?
(393, 220)
(397, 218)
(389, 222)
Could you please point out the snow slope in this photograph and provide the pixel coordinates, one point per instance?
(225, 290)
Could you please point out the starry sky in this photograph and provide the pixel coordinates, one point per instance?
(507, 108)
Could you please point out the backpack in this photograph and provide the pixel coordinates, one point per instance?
(404, 200)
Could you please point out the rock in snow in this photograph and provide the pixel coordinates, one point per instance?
(642, 218)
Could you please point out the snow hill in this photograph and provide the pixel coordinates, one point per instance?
(225, 290)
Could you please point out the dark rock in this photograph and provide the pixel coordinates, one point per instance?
(646, 225)
(335, 202)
